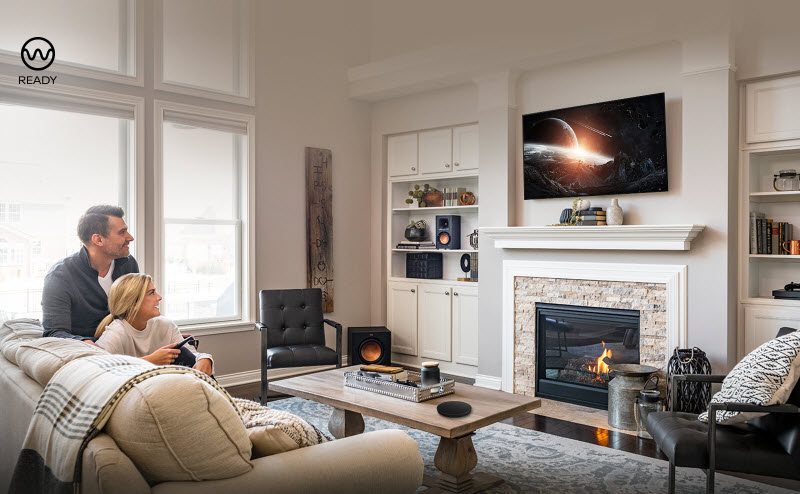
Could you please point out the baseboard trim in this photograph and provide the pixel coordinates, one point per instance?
(252, 376)
(491, 382)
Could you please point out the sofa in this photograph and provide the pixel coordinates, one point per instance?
(386, 461)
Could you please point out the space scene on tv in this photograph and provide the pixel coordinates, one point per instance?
(614, 147)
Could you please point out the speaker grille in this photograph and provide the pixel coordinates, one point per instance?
(370, 351)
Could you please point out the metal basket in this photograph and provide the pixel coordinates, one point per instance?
(402, 391)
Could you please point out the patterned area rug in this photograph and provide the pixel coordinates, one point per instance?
(534, 462)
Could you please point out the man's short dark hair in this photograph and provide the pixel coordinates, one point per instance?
(95, 220)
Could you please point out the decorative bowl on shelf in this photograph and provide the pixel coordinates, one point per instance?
(417, 231)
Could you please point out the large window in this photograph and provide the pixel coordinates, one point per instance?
(90, 37)
(205, 168)
(54, 164)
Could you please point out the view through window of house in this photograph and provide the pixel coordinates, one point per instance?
(54, 165)
(202, 223)
(92, 33)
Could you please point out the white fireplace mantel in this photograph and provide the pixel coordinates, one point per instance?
(622, 237)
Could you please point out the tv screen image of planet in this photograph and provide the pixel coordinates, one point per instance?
(614, 147)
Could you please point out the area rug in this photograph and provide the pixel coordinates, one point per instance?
(535, 462)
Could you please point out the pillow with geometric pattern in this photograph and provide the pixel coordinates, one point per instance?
(766, 376)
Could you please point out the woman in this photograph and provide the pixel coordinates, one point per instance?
(135, 326)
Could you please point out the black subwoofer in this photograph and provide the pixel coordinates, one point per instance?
(369, 345)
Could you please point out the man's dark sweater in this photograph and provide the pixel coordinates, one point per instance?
(73, 301)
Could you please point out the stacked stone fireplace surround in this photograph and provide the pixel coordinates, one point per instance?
(650, 299)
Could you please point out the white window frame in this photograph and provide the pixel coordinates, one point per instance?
(247, 59)
(246, 239)
(135, 53)
(92, 102)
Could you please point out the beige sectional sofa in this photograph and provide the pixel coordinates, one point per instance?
(386, 461)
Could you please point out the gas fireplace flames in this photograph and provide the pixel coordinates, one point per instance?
(601, 368)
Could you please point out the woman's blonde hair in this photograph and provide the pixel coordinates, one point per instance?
(125, 299)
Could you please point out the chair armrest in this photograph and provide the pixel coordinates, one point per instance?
(338, 340)
(260, 326)
(705, 378)
(748, 407)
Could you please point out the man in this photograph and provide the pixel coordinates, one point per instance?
(75, 296)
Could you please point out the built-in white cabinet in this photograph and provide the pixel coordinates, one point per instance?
(402, 155)
(434, 321)
(442, 318)
(465, 148)
(465, 325)
(434, 153)
(401, 317)
(773, 110)
(770, 130)
(762, 324)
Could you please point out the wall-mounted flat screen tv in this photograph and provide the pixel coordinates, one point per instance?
(614, 147)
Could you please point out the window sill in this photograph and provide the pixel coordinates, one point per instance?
(207, 329)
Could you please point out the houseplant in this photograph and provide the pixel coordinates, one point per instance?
(426, 196)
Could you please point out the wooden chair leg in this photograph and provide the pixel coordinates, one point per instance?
(671, 481)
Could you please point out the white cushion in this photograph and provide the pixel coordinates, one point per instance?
(42, 357)
(766, 376)
(177, 427)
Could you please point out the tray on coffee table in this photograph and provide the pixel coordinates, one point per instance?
(398, 390)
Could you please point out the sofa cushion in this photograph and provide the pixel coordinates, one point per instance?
(177, 427)
(15, 332)
(276, 431)
(766, 376)
(42, 357)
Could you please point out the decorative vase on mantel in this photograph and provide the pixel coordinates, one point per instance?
(614, 213)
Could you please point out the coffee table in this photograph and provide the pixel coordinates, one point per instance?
(455, 457)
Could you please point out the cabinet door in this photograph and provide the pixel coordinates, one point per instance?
(761, 324)
(434, 322)
(465, 148)
(465, 325)
(435, 151)
(773, 109)
(401, 317)
(402, 155)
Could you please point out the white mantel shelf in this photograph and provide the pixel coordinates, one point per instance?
(622, 237)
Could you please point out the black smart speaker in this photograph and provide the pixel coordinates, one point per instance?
(448, 231)
(369, 345)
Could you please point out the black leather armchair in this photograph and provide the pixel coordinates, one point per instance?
(292, 332)
(768, 445)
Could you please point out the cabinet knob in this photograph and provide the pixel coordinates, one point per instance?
(455, 164)
(413, 291)
(455, 293)
(447, 293)
(413, 168)
(447, 165)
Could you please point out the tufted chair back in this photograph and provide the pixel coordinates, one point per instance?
(292, 317)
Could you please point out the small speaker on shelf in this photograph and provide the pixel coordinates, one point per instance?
(369, 345)
(448, 231)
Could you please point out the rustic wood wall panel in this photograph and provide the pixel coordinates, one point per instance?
(319, 223)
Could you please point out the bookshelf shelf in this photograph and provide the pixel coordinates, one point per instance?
(434, 177)
(772, 197)
(442, 209)
(775, 257)
(443, 251)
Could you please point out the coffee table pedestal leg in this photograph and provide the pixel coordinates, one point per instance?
(344, 423)
(455, 458)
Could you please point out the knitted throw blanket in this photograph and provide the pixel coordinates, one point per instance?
(73, 408)
(255, 414)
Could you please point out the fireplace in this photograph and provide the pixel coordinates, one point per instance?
(575, 345)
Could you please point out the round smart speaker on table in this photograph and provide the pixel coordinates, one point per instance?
(454, 408)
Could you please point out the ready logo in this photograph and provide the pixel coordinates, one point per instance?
(37, 54)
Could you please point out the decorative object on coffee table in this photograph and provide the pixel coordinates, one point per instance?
(628, 381)
(614, 213)
(319, 224)
(430, 373)
(416, 231)
(454, 409)
(411, 390)
(693, 397)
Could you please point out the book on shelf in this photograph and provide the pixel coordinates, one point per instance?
(753, 232)
(590, 222)
(592, 217)
(775, 245)
(416, 245)
(451, 195)
(768, 237)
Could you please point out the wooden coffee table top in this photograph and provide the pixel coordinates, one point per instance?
(488, 406)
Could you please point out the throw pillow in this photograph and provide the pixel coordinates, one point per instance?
(178, 427)
(42, 357)
(15, 332)
(766, 376)
(275, 431)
